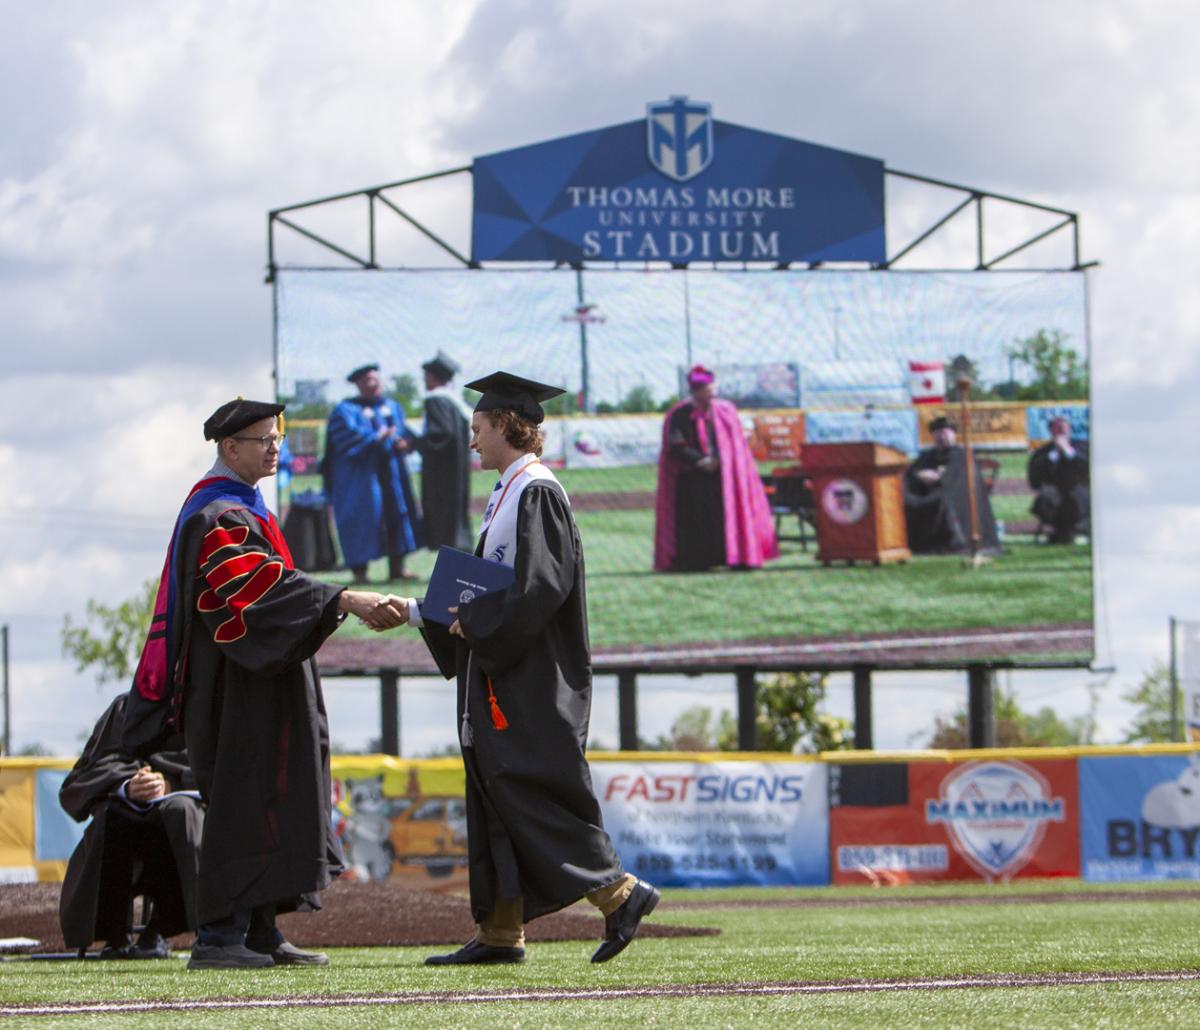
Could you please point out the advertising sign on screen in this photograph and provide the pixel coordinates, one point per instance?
(990, 820)
(1140, 817)
(691, 824)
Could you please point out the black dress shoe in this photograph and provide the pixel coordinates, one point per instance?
(227, 956)
(150, 945)
(287, 954)
(116, 950)
(622, 926)
(473, 953)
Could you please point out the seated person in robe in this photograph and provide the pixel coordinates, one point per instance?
(1059, 475)
(143, 839)
(936, 503)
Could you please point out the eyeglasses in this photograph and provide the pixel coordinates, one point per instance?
(265, 441)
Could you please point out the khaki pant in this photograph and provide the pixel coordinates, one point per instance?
(504, 926)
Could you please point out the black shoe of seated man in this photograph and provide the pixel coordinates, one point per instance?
(227, 956)
(287, 954)
(150, 945)
(117, 948)
(622, 925)
(475, 954)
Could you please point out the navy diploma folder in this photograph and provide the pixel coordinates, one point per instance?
(458, 578)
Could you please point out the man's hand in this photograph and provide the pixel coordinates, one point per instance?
(456, 629)
(379, 611)
(400, 445)
(385, 432)
(708, 463)
(145, 785)
(930, 476)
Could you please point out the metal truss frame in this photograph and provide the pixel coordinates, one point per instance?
(378, 198)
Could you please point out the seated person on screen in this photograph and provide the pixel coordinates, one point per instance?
(142, 840)
(1058, 473)
(936, 503)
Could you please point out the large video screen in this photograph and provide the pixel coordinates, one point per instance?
(813, 507)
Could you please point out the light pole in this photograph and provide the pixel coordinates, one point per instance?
(583, 314)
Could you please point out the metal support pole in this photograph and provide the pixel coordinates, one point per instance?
(585, 400)
(7, 750)
(389, 712)
(687, 317)
(981, 709)
(863, 734)
(747, 705)
(627, 709)
(1175, 686)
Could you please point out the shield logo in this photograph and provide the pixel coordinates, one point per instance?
(679, 137)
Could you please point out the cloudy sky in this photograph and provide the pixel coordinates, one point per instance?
(143, 144)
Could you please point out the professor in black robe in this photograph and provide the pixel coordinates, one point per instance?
(536, 840)
(240, 679)
(1059, 475)
(936, 501)
(445, 449)
(131, 847)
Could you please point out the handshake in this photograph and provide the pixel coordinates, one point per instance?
(378, 611)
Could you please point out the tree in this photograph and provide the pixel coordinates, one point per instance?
(1058, 372)
(695, 729)
(404, 392)
(114, 649)
(786, 716)
(1152, 698)
(1018, 728)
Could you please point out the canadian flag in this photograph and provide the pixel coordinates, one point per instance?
(927, 382)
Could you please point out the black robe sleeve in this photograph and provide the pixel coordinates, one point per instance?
(441, 429)
(264, 616)
(500, 628)
(682, 439)
(102, 767)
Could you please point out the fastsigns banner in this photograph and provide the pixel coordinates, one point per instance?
(707, 824)
(992, 820)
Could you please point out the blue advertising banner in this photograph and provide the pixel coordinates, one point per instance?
(1037, 420)
(893, 428)
(719, 824)
(1140, 817)
(677, 186)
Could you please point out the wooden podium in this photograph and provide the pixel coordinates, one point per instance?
(859, 493)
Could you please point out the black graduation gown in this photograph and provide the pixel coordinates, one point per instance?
(699, 503)
(255, 722)
(1063, 498)
(938, 514)
(445, 451)
(533, 821)
(125, 852)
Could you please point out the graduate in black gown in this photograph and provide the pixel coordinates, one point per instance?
(229, 660)
(143, 839)
(445, 449)
(936, 503)
(521, 657)
(1059, 474)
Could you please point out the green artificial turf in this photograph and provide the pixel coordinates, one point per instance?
(757, 944)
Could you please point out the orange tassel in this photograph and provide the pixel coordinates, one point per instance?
(498, 719)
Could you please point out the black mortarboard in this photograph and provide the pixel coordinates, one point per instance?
(941, 422)
(442, 365)
(505, 390)
(237, 414)
(362, 371)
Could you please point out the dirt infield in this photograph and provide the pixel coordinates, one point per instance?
(714, 990)
(354, 915)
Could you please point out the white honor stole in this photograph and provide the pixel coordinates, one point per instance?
(499, 535)
(499, 528)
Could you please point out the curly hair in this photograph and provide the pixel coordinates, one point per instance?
(518, 431)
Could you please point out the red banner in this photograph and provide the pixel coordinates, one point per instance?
(990, 820)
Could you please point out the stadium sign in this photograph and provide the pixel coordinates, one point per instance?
(677, 186)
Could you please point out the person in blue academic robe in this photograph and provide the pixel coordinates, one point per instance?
(366, 479)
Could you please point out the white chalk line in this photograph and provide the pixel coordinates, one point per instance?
(602, 994)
